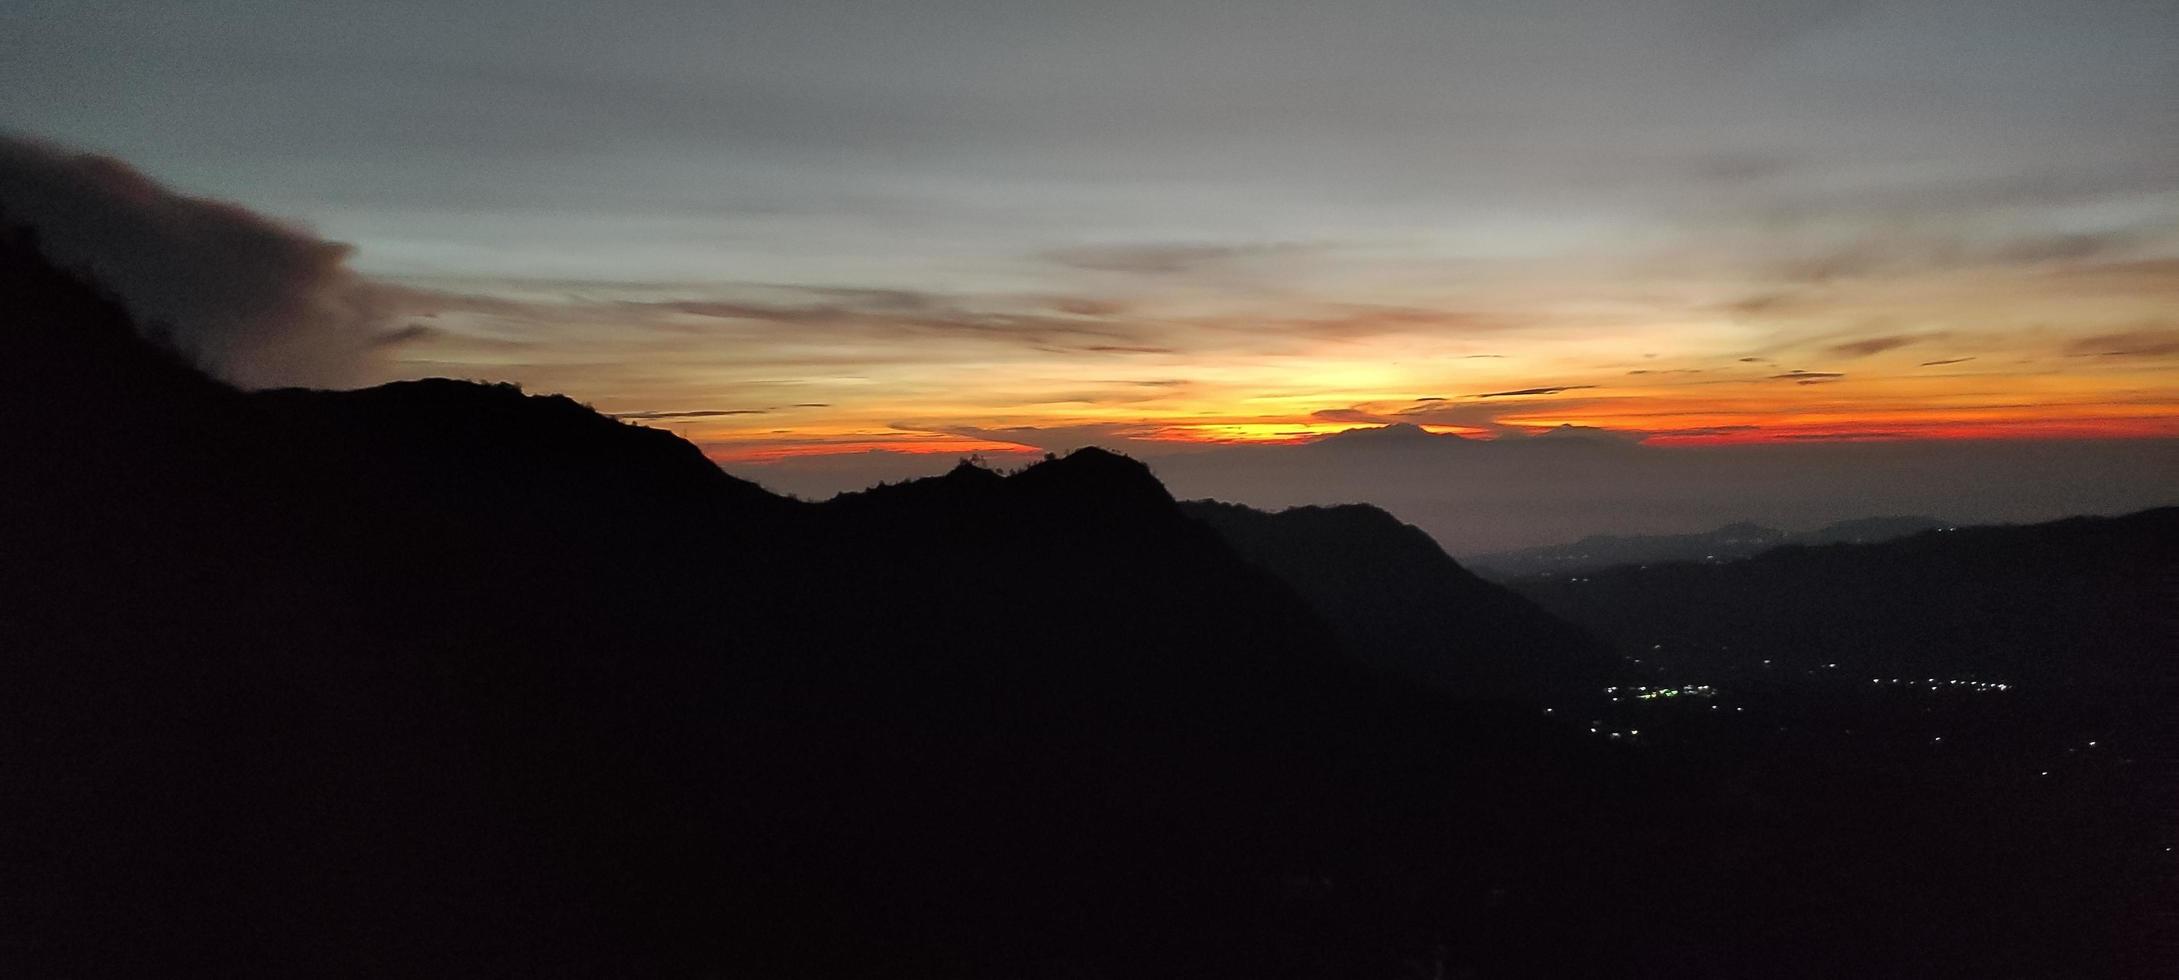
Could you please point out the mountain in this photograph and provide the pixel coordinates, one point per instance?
(445, 677)
(2081, 602)
(1393, 598)
(1396, 436)
(1733, 541)
(1869, 530)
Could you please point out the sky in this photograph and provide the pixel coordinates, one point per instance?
(829, 241)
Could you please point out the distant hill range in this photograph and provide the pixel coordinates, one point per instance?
(1728, 543)
(2084, 601)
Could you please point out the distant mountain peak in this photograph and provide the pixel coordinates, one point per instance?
(1393, 434)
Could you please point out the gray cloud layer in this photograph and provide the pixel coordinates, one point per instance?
(825, 130)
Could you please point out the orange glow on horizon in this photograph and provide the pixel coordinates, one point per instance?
(1726, 384)
(1718, 434)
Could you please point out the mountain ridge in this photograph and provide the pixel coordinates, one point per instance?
(441, 673)
(1739, 539)
(1394, 598)
(1990, 601)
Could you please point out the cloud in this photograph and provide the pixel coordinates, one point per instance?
(1355, 415)
(1162, 259)
(1808, 377)
(1432, 411)
(2064, 247)
(1705, 430)
(1739, 167)
(1462, 414)
(1766, 302)
(703, 414)
(1873, 345)
(1886, 254)
(1086, 306)
(2158, 277)
(897, 314)
(1351, 320)
(412, 332)
(249, 299)
(1061, 438)
(1948, 360)
(1533, 391)
(2161, 342)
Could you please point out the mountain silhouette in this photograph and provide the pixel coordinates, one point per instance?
(1393, 436)
(2085, 601)
(1395, 599)
(1740, 539)
(444, 677)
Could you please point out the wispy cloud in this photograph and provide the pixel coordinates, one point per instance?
(1553, 390)
(1057, 438)
(1126, 349)
(1884, 253)
(1808, 377)
(2156, 342)
(700, 414)
(1165, 258)
(1874, 345)
(1357, 416)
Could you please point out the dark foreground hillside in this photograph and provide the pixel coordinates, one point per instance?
(1963, 746)
(443, 678)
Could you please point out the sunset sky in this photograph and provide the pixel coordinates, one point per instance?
(827, 227)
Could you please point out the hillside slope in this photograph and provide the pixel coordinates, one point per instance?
(441, 677)
(1395, 599)
(2084, 601)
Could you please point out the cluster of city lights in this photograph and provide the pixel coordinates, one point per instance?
(1953, 684)
(1690, 691)
(1643, 692)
